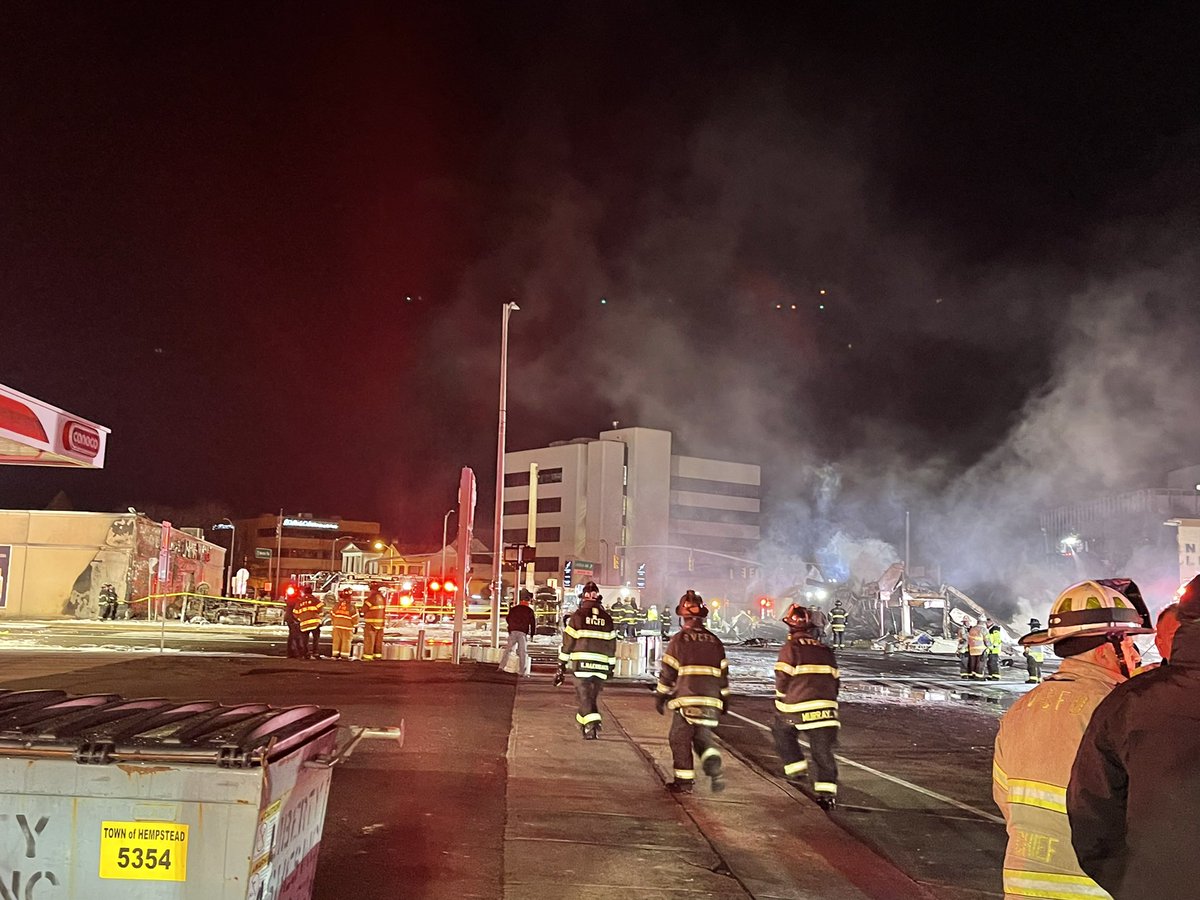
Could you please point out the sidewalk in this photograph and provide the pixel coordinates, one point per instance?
(587, 819)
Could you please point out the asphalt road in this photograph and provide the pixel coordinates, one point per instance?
(916, 746)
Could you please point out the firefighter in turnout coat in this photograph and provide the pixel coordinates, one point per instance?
(589, 647)
(694, 685)
(806, 690)
(345, 620)
(1090, 629)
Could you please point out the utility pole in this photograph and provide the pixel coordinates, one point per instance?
(498, 533)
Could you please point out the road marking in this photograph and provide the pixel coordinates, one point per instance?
(989, 817)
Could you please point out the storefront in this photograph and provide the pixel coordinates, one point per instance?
(53, 564)
(33, 433)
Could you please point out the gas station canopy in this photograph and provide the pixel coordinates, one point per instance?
(33, 433)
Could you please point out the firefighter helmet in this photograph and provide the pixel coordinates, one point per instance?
(1188, 599)
(1094, 609)
(691, 606)
(798, 618)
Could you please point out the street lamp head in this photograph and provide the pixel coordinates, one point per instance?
(512, 304)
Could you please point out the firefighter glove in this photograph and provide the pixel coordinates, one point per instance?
(660, 703)
(559, 677)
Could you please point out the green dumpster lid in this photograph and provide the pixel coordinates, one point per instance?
(107, 728)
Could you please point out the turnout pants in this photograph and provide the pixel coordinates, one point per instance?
(312, 641)
(1033, 667)
(372, 642)
(587, 692)
(993, 666)
(837, 636)
(821, 744)
(977, 665)
(687, 737)
(341, 643)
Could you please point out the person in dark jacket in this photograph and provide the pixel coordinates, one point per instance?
(589, 647)
(1135, 784)
(521, 624)
(694, 685)
(806, 690)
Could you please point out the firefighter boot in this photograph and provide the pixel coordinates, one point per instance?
(591, 731)
(827, 803)
(681, 787)
(712, 768)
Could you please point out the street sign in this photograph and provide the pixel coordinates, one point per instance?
(262, 552)
(568, 573)
(641, 575)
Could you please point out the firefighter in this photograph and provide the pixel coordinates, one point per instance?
(806, 690)
(1034, 657)
(1090, 627)
(694, 684)
(976, 649)
(994, 645)
(837, 622)
(620, 617)
(373, 609)
(964, 658)
(108, 601)
(345, 620)
(589, 647)
(309, 611)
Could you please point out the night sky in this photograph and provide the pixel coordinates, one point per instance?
(268, 244)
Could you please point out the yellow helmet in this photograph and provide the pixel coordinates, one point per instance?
(1094, 608)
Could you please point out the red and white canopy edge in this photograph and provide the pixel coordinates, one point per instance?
(33, 433)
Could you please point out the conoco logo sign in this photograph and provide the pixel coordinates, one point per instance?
(81, 439)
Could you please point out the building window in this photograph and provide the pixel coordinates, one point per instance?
(708, 514)
(546, 564)
(520, 535)
(521, 507)
(545, 476)
(722, 488)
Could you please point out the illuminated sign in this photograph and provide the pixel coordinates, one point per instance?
(81, 439)
(311, 523)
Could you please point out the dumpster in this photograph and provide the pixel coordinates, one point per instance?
(104, 798)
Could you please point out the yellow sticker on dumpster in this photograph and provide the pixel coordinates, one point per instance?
(144, 851)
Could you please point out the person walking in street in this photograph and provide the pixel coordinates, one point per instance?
(1090, 627)
(310, 611)
(1135, 786)
(345, 620)
(374, 609)
(694, 684)
(806, 691)
(976, 649)
(108, 602)
(521, 625)
(589, 648)
(837, 622)
(819, 622)
(994, 646)
(1034, 656)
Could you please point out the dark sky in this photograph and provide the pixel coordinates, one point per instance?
(268, 244)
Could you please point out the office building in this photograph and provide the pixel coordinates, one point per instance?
(624, 508)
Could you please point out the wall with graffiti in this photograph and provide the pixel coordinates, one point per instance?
(59, 562)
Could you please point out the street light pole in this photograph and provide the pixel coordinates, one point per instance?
(445, 523)
(498, 538)
(229, 565)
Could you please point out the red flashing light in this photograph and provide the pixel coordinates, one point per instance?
(450, 587)
(291, 589)
(766, 602)
(435, 585)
